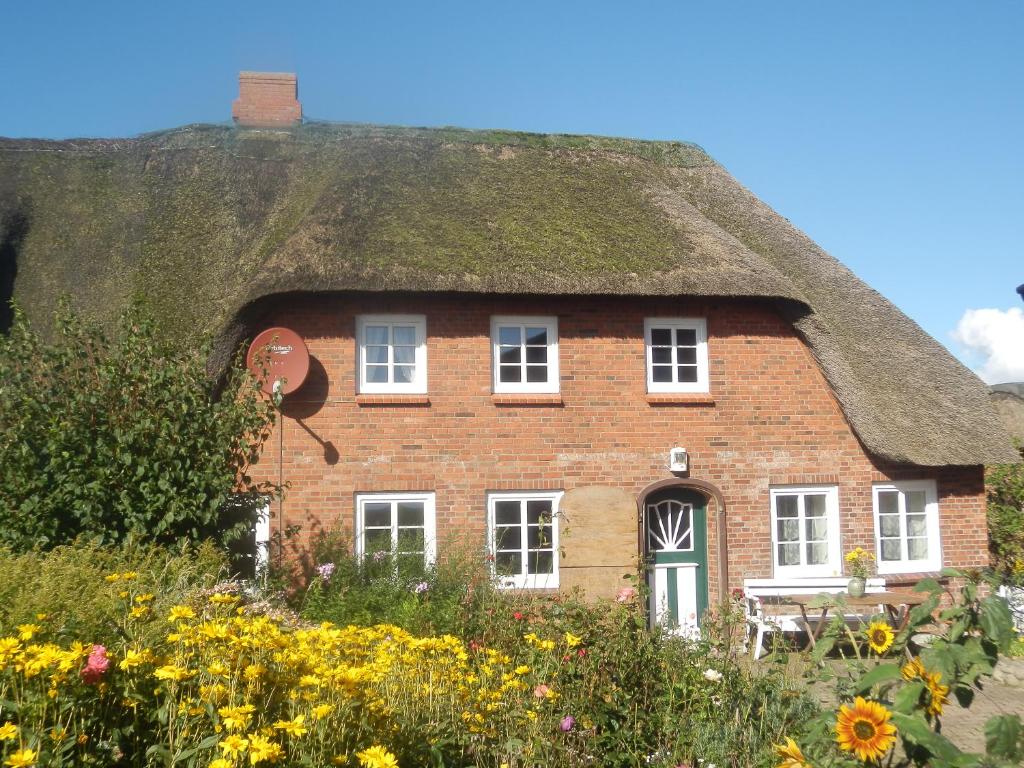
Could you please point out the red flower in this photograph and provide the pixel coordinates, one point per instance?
(517, 616)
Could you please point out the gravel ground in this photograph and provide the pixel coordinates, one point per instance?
(1003, 695)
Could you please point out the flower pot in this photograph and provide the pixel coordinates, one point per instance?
(856, 586)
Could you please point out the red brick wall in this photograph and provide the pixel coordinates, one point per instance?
(770, 419)
(267, 99)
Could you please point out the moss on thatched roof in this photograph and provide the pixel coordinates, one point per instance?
(209, 219)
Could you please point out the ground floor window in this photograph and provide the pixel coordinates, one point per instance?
(399, 525)
(805, 531)
(523, 533)
(907, 526)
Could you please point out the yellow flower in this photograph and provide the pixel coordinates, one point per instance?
(913, 669)
(220, 762)
(939, 694)
(339, 760)
(143, 598)
(233, 745)
(322, 710)
(27, 631)
(217, 668)
(134, 658)
(112, 578)
(376, 757)
(263, 750)
(865, 729)
(172, 672)
(880, 637)
(522, 669)
(572, 640)
(236, 718)
(8, 731)
(129, 575)
(23, 758)
(139, 611)
(179, 612)
(791, 755)
(294, 727)
(219, 598)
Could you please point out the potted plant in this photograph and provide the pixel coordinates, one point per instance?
(859, 563)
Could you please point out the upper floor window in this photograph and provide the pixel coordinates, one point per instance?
(907, 526)
(392, 353)
(677, 354)
(523, 528)
(398, 525)
(525, 354)
(805, 531)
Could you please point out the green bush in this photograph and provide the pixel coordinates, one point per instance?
(1006, 520)
(106, 437)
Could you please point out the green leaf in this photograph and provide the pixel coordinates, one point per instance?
(996, 621)
(917, 731)
(908, 697)
(880, 674)
(1004, 737)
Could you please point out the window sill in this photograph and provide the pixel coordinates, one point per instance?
(909, 578)
(526, 399)
(680, 398)
(396, 400)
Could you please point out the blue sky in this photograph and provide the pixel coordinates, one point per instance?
(890, 132)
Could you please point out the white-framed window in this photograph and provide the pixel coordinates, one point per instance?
(401, 525)
(907, 526)
(392, 353)
(805, 531)
(522, 529)
(677, 354)
(525, 354)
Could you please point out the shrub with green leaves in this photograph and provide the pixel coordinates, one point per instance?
(1006, 520)
(112, 436)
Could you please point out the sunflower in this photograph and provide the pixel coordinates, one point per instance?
(939, 694)
(791, 755)
(865, 729)
(913, 669)
(880, 636)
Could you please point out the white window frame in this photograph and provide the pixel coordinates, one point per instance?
(834, 565)
(697, 324)
(419, 383)
(550, 324)
(525, 580)
(429, 521)
(905, 565)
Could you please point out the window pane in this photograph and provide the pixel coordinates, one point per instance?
(789, 530)
(917, 549)
(377, 374)
(405, 355)
(510, 355)
(537, 373)
(817, 554)
(687, 355)
(785, 506)
(661, 337)
(508, 563)
(537, 510)
(536, 354)
(376, 334)
(506, 512)
(817, 529)
(377, 540)
(404, 334)
(915, 502)
(686, 337)
(888, 502)
(687, 372)
(538, 537)
(510, 373)
(814, 504)
(917, 525)
(661, 373)
(789, 554)
(511, 335)
(542, 562)
(377, 513)
(537, 336)
(661, 355)
(890, 549)
(410, 513)
(889, 525)
(376, 354)
(404, 374)
(410, 566)
(410, 540)
(508, 537)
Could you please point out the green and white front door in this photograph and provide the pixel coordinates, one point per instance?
(676, 527)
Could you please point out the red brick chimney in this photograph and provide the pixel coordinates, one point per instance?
(268, 99)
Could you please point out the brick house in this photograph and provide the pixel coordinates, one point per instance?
(513, 336)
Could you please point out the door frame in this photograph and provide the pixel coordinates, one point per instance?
(711, 493)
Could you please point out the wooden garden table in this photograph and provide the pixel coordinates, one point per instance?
(896, 604)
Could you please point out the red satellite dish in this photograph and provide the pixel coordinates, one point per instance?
(278, 358)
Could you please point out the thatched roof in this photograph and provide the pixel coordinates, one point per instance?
(210, 219)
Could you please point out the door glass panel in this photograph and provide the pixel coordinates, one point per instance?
(669, 525)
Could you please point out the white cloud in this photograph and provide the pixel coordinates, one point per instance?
(997, 337)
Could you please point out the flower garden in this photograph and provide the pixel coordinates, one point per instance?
(139, 656)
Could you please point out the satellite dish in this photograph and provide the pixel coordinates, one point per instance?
(279, 360)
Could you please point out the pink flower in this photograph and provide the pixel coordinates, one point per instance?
(540, 691)
(95, 666)
(625, 594)
(567, 723)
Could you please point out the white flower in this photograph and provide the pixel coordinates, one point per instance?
(712, 675)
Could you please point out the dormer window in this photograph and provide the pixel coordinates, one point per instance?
(677, 354)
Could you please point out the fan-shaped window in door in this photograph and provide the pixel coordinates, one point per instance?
(670, 526)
